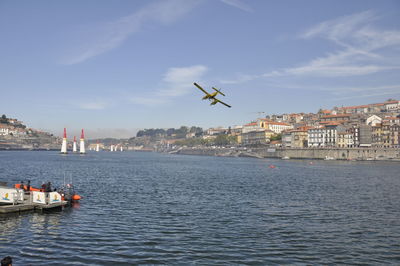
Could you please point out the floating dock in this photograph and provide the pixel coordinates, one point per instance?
(31, 207)
(13, 200)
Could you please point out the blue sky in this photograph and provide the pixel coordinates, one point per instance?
(113, 67)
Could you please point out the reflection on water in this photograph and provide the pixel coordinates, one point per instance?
(44, 224)
(161, 209)
(9, 225)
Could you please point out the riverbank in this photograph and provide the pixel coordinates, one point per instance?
(359, 154)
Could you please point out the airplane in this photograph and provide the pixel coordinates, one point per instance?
(212, 96)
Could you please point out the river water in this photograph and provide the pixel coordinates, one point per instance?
(149, 208)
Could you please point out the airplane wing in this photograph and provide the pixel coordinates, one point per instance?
(227, 105)
(198, 86)
(219, 91)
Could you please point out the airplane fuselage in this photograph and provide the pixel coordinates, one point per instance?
(210, 96)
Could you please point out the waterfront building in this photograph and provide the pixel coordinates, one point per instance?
(330, 131)
(300, 138)
(295, 138)
(257, 137)
(386, 134)
(345, 139)
(325, 136)
(356, 135)
(376, 135)
(287, 139)
(341, 139)
(253, 126)
(316, 137)
(394, 135)
(365, 135)
(237, 132)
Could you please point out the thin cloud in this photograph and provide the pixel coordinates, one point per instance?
(112, 34)
(364, 50)
(177, 81)
(394, 93)
(346, 90)
(238, 4)
(360, 43)
(340, 28)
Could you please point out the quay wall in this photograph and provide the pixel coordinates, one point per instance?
(300, 153)
(336, 153)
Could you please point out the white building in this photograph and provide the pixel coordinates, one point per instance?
(323, 137)
(216, 131)
(373, 120)
(276, 127)
(392, 105)
(253, 126)
(316, 137)
(4, 131)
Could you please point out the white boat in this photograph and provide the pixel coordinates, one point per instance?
(285, 158)
(328, 158)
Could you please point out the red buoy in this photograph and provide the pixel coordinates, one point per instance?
(76, 197)
(272, 166)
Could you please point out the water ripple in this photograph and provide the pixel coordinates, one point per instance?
(146, 208)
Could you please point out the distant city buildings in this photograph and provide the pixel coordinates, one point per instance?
(371, 125)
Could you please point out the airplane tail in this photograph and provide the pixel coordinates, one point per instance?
(218, 91)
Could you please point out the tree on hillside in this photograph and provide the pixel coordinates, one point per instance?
(150, 132)
(198, 131)
(4, 119)
(192, 142)
(170, 132)
(276, 137)
(224, 139)
(181, 132)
